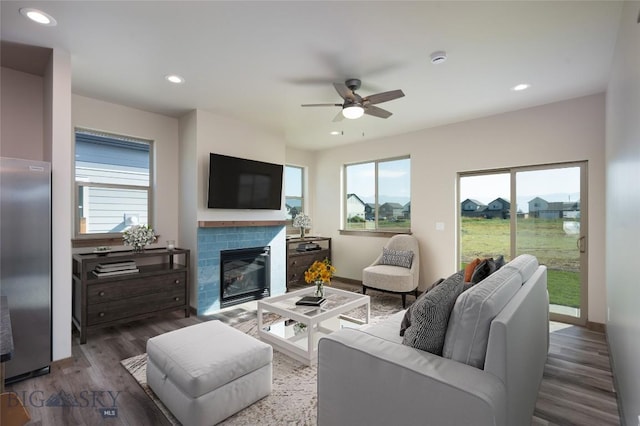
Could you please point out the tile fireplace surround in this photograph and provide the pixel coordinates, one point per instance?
(211, 240)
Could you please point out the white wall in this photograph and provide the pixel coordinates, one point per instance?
(188, 197)
(57, 96)
(222, 135)
(623, 213)
(112, 118)
(21, 115)
(565, 131)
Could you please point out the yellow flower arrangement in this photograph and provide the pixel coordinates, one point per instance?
(319, 271)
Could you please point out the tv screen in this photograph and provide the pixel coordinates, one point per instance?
(238, 183)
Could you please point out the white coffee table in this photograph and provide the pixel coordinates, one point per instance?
(297, 332)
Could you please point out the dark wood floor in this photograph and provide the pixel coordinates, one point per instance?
(577, 388)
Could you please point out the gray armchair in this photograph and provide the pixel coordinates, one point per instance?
(386, 275)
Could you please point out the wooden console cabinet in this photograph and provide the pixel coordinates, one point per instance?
(160, 285)
(299, 261)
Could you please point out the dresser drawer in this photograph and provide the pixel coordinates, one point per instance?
(117, 290)
(305, 259)
(296, 274)
(165, 298)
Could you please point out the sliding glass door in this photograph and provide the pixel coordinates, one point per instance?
(547, 220)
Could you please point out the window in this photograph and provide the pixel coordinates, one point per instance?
(113, 176)
(378, 195)
(294, 193)
(535, 210)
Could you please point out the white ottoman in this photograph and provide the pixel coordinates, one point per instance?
(207, 372)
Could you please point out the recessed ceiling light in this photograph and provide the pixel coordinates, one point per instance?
(38, 16)
(521, 86)
(174, 78)
(335, 133)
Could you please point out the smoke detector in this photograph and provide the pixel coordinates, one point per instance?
(438, 57)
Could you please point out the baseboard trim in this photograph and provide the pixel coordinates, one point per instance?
(57, 362)
(596, 326)
(348, 280)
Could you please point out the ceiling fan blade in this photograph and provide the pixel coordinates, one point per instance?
(344, 91)
(384, 96)
(321, 105)
(338, 117)
(377, 112)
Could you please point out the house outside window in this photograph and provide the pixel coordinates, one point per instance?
(378, 195)
(294, 194)
(113, 176)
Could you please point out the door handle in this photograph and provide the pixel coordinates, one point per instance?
(580, 243)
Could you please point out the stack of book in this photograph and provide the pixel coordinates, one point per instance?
(115, 268)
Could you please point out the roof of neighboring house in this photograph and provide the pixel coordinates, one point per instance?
(392, 205)
(356, 197)
(537, 199)
(476, 202)
(502, 201)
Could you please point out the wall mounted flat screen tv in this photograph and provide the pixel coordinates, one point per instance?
(238, 183)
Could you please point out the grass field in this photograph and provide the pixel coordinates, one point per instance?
(543, 238)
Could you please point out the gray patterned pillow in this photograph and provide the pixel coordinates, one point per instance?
(430, 315)
(406, 320)
(402, 258)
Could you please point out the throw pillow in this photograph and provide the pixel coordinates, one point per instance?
(391, 257)
(468, 270)
(483, 270)
(406, 320)
(430, 316)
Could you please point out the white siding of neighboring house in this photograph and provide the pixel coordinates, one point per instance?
(105, 209)
(354, 208)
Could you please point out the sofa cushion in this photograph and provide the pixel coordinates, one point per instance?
(468, 329)
(387, 329)
(525, 264)
(430, 315)
(392, 257)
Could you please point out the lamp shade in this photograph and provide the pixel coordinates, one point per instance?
(353, 111)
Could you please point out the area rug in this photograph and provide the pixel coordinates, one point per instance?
(293, 398)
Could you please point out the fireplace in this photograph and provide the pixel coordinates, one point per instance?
(244, 275)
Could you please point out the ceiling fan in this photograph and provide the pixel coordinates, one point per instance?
(354, 105)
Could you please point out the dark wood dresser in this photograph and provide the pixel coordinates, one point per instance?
(298, 260)
(160, 284)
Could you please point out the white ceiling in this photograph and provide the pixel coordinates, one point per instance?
(258, 61)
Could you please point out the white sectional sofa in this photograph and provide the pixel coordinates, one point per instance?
(492, 362)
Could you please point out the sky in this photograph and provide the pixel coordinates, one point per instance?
(394, 181)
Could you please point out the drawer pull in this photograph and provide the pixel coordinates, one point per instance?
(176, 299)
(101, 293)
(177, 281)
(101, 314)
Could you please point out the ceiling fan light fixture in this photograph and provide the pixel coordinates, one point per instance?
(353, 111)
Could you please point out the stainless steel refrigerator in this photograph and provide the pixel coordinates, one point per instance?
(25, 263)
